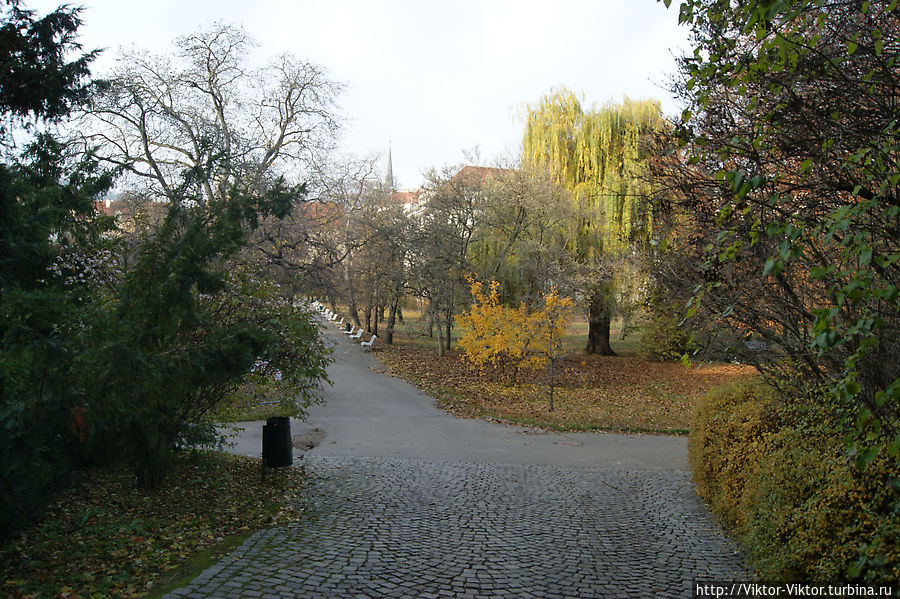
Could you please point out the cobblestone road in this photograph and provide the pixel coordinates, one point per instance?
(393, 527)
(408, 501)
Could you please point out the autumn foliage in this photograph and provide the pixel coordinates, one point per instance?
(507, 339)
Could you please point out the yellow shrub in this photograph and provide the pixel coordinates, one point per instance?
(802, 511)
(727, 445)
(512, 338)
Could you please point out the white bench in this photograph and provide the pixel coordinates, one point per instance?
(358, 334)
(367, 345)
(756, 345)
(349, 329)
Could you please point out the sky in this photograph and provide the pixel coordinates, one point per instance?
(433, 80)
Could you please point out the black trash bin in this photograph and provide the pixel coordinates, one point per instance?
(277, 449)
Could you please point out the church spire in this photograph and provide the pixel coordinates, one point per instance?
(389, 180)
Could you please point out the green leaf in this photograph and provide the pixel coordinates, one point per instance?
(893, 448)
(866, 456)
(855, 568)
(865, 256)
(818, 273)
(851, 48)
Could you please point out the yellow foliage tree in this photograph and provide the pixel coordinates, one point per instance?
(507, 338)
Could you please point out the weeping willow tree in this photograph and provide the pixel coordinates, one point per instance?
(598, 157)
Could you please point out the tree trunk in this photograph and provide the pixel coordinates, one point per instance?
(513, 376)
(598, 323)
(368, 319)
(392, 320)
(392, 315)
(449, 326)
(354, 310)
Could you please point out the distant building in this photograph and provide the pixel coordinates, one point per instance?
(477, 175)
(411, 201)
(130, 212)
(109, 206)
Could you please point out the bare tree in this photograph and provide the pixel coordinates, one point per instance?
(312, 248)
(446, 231)
(205, 112)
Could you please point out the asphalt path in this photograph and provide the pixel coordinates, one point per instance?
(368, 413)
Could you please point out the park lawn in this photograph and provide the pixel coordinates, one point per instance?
(249, 404)
(102, 537)
(623, 393)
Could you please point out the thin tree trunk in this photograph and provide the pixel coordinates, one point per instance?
(392, 320)
(513, 376)
(392, 317)
(449, 325)
(552, 369)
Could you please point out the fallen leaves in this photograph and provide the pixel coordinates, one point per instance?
(620, 393)
(104, 537)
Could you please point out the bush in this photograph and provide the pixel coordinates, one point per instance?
(727, 445)
(665, 339)
(800, 508)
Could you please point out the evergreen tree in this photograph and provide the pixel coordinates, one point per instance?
(47, 218)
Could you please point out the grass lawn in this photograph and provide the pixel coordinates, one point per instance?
(102, 537)
(244, 406)
(620, 393)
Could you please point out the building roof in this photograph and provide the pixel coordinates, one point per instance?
(410, 198)
(478, 174)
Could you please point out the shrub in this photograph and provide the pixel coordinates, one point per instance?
(665, 337)
(727, 444)
(664, 340)
(801, 509)
(815, 516)
(510, 338)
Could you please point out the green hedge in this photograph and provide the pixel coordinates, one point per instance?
(801, 510)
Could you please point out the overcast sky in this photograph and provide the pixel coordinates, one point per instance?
(432, 78)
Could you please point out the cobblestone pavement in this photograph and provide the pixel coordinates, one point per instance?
(396, 527)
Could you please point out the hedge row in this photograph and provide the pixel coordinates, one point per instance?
(801, 510)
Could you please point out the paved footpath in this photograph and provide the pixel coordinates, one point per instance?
(407, 501)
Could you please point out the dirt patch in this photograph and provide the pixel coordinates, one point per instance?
(309, 439)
